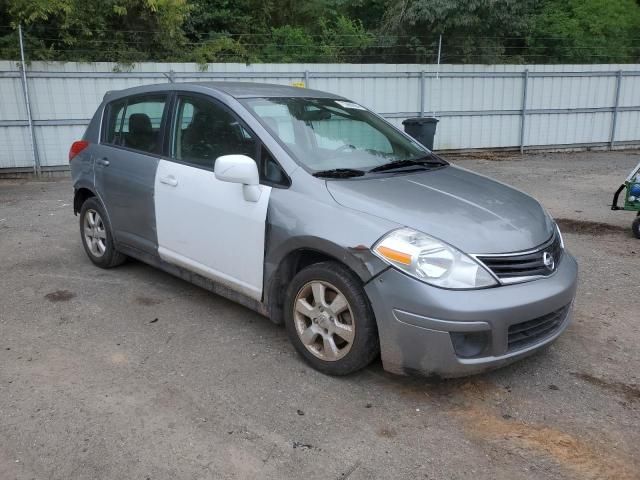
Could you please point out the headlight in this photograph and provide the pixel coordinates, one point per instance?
(431, 260)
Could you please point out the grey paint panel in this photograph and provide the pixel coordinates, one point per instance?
(306, 217)
(254, 89)
(125, 187)
(469, 211)
(231, 89)
(419, 347)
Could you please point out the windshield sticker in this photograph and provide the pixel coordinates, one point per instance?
(351, 105)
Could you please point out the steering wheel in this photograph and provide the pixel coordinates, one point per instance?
(202, 150)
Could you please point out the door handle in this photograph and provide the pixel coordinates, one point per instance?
(169, 180)
(103, 161)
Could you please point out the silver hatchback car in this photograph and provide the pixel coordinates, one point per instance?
(317, 213)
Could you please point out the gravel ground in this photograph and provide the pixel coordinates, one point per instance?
(133, 374)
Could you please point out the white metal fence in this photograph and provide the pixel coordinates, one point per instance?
(479, 106)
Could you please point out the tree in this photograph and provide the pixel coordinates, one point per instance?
(112, 30)
(586, 31)
(399, 31)
(473, 30)
(290, 45)
(343, 40)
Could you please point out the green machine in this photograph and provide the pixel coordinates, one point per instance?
(631, 198)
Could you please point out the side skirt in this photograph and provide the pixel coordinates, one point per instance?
(191, 277)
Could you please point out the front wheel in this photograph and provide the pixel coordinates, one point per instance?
(636, 226)
(329, 319)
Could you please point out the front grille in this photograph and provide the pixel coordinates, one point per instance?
(526, 333)
(511, 267)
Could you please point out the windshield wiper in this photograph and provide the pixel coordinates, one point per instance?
(399, 164)
(339, 173)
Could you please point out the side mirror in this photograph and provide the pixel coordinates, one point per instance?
(239, 169)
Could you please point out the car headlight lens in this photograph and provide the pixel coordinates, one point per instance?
(431, 260)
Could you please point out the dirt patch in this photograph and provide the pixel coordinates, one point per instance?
(60, 296)
(119, 358)
(387, 432)
(449, 393)
(586, 227)
(147, 301)
(630, 392)
(494, 156)
(571, 453)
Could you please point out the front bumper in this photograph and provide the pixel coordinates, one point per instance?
(415, 320)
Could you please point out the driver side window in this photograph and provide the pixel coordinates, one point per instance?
(205, 131)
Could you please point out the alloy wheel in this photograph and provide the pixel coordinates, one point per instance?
(324, 320)
(95, 234)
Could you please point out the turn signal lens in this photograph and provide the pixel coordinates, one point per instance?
(77, 147)
(394, 255)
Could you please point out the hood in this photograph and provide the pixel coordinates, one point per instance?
(467, 210)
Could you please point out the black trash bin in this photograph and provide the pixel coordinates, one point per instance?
(423, 129)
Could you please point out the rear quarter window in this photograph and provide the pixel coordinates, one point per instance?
(136, 123)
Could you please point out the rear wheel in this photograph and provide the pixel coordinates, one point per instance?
(636, 226)
(97, 238)
(329, 319)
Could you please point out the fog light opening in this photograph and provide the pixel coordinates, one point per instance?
(469, 344)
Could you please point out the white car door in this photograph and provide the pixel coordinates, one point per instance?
(205, 224)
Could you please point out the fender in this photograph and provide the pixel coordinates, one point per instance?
(86, 185)
(79, 185)
(358, 258)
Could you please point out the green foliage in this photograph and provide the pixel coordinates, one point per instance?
(343, 40)
(474, 30)
(290, 45)
(221, 49)
(584, 31)
(117, 30)
(398, 31)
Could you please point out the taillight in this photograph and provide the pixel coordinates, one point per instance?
(76, 148)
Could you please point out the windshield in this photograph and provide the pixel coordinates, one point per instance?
(325, 134)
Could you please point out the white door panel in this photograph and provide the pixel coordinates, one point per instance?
(206, 225)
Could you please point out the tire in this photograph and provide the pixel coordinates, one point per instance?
(328, 323)
(102, 252)
(635, 226)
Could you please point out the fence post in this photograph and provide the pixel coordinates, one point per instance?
(422, 93)
(170, 76)
(27, 103)
(616, 105)
(523, 115)
(306, 78)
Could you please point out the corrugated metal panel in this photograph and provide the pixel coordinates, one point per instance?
(459, 102)
(15, 147)
(477, 132)
(555, 129)
(628, 126)
(54, 142)
(12, 100)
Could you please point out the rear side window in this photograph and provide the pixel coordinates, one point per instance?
(136, 122)
(115, 112)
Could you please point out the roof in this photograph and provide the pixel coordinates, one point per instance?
(255, 89)
(233, 89)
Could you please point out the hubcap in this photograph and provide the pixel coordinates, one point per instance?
(95, 235)
(324, 321)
